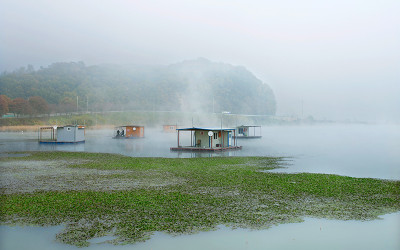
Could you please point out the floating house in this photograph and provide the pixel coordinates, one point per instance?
(207, 139)
(170, 128)
(129, 132)
(62, 134)
(248, 132)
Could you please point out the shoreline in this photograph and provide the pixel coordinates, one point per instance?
(35, 128)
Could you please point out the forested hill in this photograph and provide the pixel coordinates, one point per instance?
(197, 86)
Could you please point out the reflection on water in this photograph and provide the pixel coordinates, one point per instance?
(311, 234)
(355, 150)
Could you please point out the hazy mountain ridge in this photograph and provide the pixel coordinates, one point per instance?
(195, 85)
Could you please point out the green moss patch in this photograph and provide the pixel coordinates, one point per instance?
(104, 194)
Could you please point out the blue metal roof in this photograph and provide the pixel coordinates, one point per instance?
(207, 129)
(129, 126)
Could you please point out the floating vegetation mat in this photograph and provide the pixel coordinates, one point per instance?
(97, 195)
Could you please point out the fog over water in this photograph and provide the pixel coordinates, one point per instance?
(352, 150)
(329, 59)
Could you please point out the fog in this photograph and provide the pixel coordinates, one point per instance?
(336, 60)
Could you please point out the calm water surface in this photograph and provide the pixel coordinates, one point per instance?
(352, 150)
(311, 234)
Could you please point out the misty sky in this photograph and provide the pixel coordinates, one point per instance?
(340, 58)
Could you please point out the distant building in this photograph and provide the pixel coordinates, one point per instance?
(170, 128)
(128, 132)
(207, 139)
(62, 134)
(248, 132)
(8, 115)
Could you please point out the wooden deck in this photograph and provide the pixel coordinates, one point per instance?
(205, 149)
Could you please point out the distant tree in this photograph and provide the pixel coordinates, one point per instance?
(30, 68)
(20, 106)
(4, 102)
(67, 105)
(38, 105)
(53, 108)
(3, 107)
(194, 85)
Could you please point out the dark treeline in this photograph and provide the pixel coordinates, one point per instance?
(195, 86)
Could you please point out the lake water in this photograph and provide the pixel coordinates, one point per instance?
(310, 234)
(353, 150)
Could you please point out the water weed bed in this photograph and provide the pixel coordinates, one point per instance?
(96, 195)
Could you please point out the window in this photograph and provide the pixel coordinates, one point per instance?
(215, 136)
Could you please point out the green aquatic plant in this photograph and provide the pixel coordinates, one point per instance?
(130, 198)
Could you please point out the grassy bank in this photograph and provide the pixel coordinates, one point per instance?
(35, 128)
(88, 119)
(146, 118)
(104, 194)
